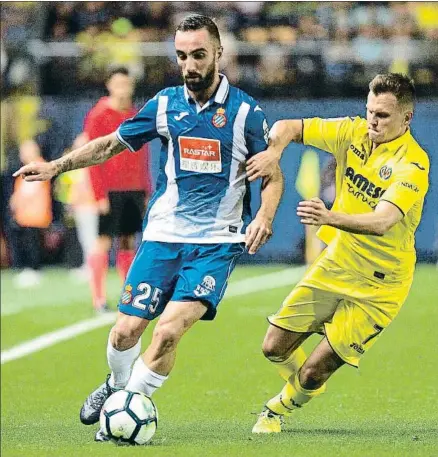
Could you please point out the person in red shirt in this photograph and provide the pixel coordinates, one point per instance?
(31, 209)
(121, 185)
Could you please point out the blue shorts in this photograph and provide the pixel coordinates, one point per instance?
(163, 272)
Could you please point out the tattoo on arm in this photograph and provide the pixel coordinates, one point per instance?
(93, 153)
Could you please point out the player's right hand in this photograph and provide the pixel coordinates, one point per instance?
(263, 164)
(37, 171)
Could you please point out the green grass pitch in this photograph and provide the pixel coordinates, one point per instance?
(389, 407)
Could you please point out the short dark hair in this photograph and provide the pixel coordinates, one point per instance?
(397, 84)
(117, 71)
(198, 22)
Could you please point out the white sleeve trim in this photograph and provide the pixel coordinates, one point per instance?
(124, 142)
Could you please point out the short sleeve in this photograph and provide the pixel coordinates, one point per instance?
(140, 129)
(256, 131)
(330, 135)
(410, 185)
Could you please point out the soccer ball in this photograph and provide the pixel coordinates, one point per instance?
(129, 418)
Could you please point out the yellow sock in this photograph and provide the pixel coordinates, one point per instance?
(293, 396)
(292, 364)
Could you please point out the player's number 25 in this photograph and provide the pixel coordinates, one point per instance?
(147, 290)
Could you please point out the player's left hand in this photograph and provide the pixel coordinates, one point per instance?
(263, 164)
(258, 232)
(313, 212)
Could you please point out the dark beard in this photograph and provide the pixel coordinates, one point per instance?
(202, 84)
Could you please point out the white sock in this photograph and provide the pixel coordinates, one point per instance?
(143, 379)
(121, 363)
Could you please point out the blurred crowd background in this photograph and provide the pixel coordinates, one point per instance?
(298, 48)
(55, 55)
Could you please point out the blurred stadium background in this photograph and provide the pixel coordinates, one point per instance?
(298, 58)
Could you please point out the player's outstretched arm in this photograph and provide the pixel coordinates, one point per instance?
(260, 229)
(280, 135)
(92, 153)
(378, 222)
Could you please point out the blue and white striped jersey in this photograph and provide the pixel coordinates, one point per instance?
(202, 194)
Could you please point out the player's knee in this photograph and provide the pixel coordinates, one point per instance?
(166, 337)
(313, 376)
(124, 335)
(272, 351)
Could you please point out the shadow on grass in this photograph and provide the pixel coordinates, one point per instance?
(405, 432)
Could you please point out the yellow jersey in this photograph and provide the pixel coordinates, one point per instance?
(396, 171)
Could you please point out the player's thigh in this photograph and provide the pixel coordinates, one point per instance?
(151, 279)
(305, 310)
(178, 317)
(205, 272)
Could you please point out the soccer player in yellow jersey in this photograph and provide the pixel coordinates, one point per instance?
(357, 286)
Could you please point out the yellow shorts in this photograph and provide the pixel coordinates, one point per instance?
(352, 311)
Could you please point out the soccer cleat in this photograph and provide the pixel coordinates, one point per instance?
(90, 410)
(268, 422)
(100, 436)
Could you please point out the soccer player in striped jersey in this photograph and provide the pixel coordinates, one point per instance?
(198, 221)
(357, 286)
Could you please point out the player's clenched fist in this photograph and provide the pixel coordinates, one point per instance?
(37, 171)
(258, 232)
(313, 212)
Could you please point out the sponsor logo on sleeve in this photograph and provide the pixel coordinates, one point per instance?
(410, 186)
(200, 155)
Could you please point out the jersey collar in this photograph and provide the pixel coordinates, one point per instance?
(219, 97)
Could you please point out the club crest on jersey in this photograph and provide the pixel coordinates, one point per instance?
(127, 295)
(385, 172)
(219, 119)
(207, 286)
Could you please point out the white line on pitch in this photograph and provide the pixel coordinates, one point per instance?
(52, 338)
(245, 286)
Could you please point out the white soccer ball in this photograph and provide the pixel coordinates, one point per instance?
(129, 418)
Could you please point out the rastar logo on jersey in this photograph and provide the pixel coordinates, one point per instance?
(200, 155)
